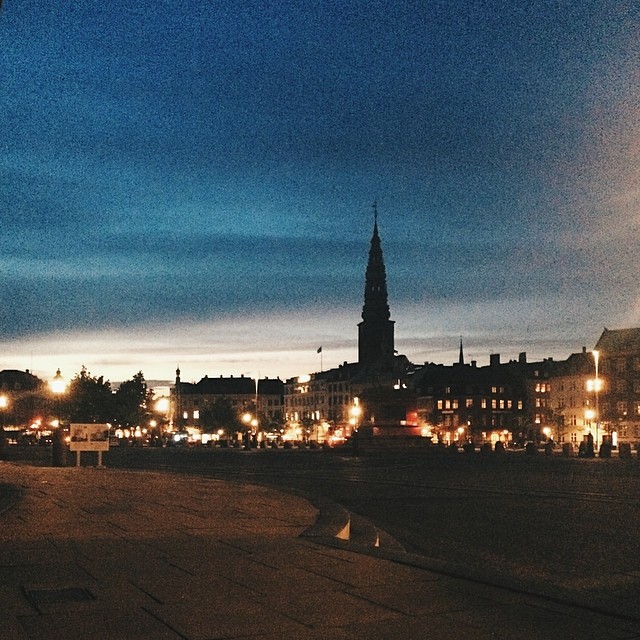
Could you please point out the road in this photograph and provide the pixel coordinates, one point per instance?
(569, 527)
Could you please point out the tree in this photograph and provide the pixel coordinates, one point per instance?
(133, 401)
(88, 399)
(220, 415)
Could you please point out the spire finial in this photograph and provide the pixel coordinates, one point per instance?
(375, 213)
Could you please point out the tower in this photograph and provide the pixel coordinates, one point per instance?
(375, 332)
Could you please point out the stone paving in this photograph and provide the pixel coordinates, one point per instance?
(107, 554)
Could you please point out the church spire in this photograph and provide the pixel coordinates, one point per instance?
(375, 332)
(461, 356)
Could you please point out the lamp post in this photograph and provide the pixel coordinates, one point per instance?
(596, 386)
(4, 403)
(59, 453)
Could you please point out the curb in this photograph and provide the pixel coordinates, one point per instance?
(333, 521)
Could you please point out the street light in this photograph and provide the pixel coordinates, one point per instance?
(594, 385)
(355, 412)
(58, 386)
(4, 403)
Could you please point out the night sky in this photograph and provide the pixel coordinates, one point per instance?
(192, 182)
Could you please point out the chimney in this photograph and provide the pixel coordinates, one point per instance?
(494, 360)
(522, 358)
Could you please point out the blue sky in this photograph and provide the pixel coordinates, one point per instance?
(191, 183)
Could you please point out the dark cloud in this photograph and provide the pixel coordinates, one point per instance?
(175, 161)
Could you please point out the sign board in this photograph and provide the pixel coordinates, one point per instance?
(89, 437)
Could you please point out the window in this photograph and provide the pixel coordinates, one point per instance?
(520, 405)
(494, 389)
(494, 404)
(483, 403)
(468, 403)
(440, 405)
(621, 408)
(502, 404)
(196, 415)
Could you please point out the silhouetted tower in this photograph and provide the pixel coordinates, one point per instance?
(178, 419)
(375, 332)
(461, 355)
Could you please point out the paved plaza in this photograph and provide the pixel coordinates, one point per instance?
(112, 554)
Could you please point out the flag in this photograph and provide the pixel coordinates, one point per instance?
(319, 350)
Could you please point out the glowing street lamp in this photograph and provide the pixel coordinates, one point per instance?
(355, 412)
(58, 387)
(595, 386)
(58, 384)
(4, 404)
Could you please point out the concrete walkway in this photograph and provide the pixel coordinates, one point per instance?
(106, 554)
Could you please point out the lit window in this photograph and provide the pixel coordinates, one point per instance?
(483, 403)
(440, 405)
(196, 415)
(469, 403)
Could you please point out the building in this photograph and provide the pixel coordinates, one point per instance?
(192, 401)
(464, 402)
(571, 398)
(616, 385)
(516, 401)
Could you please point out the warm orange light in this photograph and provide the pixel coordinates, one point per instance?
(58, 384)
